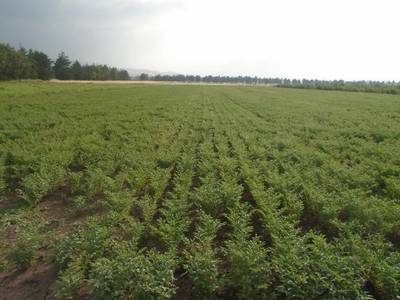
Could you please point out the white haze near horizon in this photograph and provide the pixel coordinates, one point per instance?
(341, 39)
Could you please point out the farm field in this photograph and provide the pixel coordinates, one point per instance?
(198, 192)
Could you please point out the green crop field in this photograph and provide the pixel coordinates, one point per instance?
(114, 191)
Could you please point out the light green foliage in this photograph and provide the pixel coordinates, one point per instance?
(132, 275)
(206, 192)
(201, 258)
(310, 267)
(249, 270)
(208, 197)
(89, 243)
(148, 206)
(80, 201)
(24, 250)
(119, 201)
(174, 224)
(70, 281)
(2, 180)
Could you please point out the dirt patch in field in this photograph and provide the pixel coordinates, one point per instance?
(34, 283)
(10, 201)
(37, 281)
(184, 289)
(59, 213)
(56, 211)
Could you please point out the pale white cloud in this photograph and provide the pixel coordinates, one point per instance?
(350, 39)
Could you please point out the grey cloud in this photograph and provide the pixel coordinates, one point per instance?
(91, 30)
(31, 10)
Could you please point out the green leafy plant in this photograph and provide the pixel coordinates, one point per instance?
(201, 261)
(70, 281)
(133, 275)
(24, 250)
(249, 271)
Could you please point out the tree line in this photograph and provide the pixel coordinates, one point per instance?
(211, 79)
(32, 64)
(382, 87)
(385, 87)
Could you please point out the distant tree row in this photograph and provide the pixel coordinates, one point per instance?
(32, 64)
(212, 79)
(383, 87)
(387, 87)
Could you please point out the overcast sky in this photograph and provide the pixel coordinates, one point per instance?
(340, 39)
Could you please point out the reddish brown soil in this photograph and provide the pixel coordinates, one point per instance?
(38, 280)
(9, 201)
(34, 283)
(184, 289)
